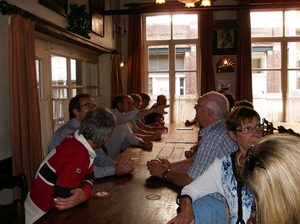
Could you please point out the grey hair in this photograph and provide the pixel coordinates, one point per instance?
(218, 103)
(97, 125)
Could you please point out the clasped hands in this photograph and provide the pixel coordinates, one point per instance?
(157, 167)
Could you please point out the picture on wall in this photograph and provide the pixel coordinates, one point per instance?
(97, 16)
(59, 6)
(225, 41)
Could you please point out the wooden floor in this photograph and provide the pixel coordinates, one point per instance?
(135, 198)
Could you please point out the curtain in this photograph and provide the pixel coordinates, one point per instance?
(116, 79)
(207, 66)
(135, 62)
(24, 102)
(243, 68)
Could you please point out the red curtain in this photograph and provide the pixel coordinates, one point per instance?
(135, 58)
(24, 101)
(206, 38)
(116, 79)
(243, 68)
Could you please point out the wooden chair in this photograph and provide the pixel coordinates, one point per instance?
(14, 212)
(268, 127)
(282, 129)
(10, 182)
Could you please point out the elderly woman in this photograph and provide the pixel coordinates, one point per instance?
(272, 172)
(244, 127)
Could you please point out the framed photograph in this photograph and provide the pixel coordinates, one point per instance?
(59, 6)
(97, 16)
(224, 41)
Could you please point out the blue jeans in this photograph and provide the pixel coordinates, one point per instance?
(209, 210)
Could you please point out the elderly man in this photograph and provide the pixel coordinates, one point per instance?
(69, 166)
(211, 111)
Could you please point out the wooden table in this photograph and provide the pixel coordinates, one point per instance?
(137, 197)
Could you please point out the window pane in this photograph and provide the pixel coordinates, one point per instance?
(186, 83)
(158, 27)
(158, 58)
(266, 55)
(76, 72)
(38, 76)
(292, 23)
(266, 24)
(293, 51)
(185, 57)
(185, 26)
(59, 70)
(293, 96)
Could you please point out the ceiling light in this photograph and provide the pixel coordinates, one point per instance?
(189, 3)
(160, 1)
(205, 3)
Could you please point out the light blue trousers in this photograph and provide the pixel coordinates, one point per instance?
(208, 210)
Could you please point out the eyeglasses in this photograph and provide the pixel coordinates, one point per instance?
(247, 130)
(252, 162)
(89, 106)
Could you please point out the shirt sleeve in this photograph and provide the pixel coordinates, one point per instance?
(103, 165)
(123, 118)
(209, 182)
(131, 138)
(74, 172)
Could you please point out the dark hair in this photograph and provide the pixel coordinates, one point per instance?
(236, 116)
(97, 125)
(75, 103)
(245, 103)
(136, 97)
(118, 99)
(144, 96)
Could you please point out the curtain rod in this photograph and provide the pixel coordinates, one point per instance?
(51, 29)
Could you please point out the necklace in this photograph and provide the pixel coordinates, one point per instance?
(238, 159)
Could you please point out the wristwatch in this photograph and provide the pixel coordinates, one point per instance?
(164, 174)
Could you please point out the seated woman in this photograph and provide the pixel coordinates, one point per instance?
(222, 177)
(272, 173)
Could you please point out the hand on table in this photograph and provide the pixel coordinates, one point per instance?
(124, 167)
(158, 167)
(78, 196)
(183, 217)
(191, 152)
(147, 145)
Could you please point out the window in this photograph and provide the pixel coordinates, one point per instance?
(69, 78)
(275, 64)
(170, 62)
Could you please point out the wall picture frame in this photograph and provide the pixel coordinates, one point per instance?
(224, 41)
(97, 8)
(59, 6)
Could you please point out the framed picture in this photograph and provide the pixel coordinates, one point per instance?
(225, 41)
(97, 16)
(59, 6)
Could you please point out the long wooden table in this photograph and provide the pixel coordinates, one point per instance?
(137, 197)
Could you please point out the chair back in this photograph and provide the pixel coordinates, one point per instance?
(268, 127)
(282, 129)
(10, 182)
(13, 212)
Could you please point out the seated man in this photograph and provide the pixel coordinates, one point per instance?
(123, 136)
(155, 118)
(69, 166)
(138, 124)
(211, 111)
(103, 165)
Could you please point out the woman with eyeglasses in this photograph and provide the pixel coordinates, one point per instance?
(272, 172)
(223, 176)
